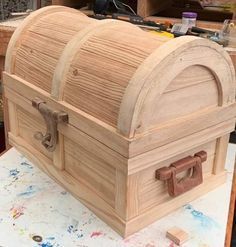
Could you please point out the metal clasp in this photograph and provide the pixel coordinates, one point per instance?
(51, 118)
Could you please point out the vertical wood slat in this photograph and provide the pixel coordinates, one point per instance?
(132, 196)
(13, 120)
(121, 193)
(6, 120)
(58, 154)
(221, 151)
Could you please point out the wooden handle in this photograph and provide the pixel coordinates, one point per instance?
(179, 186)
(51, 118)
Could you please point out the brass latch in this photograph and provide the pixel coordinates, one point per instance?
(52, 118)
(179, 186)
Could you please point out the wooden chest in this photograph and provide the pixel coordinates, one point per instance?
(132, 124)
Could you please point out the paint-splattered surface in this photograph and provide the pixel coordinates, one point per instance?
(35, 211)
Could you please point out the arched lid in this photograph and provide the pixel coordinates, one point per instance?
(162, 67)
(37, 44)
(126, 78)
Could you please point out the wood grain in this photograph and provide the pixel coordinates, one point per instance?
(88, 197)
(155, 75)
(135, 103)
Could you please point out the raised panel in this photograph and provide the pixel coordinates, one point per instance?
(28, 125)
(92, 169)
(192, 91)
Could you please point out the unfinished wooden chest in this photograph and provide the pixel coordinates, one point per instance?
(132, 124)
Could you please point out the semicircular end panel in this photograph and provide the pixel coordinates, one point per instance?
(185, 76)
(38, 43)
(193, 91)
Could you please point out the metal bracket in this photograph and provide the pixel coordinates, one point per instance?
(51, 118)
(177, 187)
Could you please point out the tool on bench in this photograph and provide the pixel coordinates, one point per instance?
(137, 20)
(114, 9)
(112, 6)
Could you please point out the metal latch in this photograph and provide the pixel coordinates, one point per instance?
(51, 118)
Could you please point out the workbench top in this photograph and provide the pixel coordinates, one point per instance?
(34, 205)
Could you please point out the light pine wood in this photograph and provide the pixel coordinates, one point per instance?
(174, 130)
(133, 196)
(151, 157)
(26, 42)
(6, 120)
(104, 133)
(177, 235)
(28, 125)
(14, 126)
(149, 187)
(121, 195)
(135, 103)
(221, 151)
(152, 214)
(99, 93)
(59, 154)
(97, 174)
(97, 129)
(76, 187)
(154, 75)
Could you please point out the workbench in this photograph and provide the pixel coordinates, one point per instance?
(34, 207)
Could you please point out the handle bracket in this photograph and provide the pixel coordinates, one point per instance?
(51, 118)
(177, 187)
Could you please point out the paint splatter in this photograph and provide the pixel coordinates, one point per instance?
(205, 221)
(24, 163)
(80, 235)
(172, 244)
(64, 192)
(46, 244)
(17, 212)
(22, 232)
(96, 234)
(73, 227)
(30, 191)
(14, 173)
(50, 238)
(149, 245)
